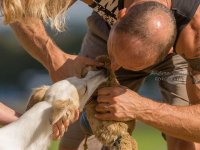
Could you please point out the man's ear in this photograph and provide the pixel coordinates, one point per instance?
(121, 13)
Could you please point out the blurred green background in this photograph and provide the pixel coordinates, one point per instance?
(147, 138)
(20, 72)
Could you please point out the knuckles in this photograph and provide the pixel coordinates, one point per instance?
(117, 91)
(114, 109)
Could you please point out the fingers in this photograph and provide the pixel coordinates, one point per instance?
(113, 91)
(105, 91)
(76, 115)
(98, 64)
(65, 122)
(104, 108)
(93, 62)
(59, 128)
(55, 134)
(104, 99)
(109, 94)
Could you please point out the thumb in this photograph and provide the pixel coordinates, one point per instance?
(94, 63)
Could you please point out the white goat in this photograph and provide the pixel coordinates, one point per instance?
(32, 131)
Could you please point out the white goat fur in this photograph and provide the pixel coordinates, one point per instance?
(32, 131)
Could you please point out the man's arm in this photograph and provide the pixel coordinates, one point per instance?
(188, 45)
(35, 41)
(177, 121)
(122, 104)
(60, 65)
(39, 45)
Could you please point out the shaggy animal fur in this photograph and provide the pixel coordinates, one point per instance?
(114, 134)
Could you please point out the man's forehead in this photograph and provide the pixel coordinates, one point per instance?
(119, 41)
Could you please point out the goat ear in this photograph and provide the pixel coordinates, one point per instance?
(37, 96)
(62, 108)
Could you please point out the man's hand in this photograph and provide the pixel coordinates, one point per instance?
(117, 103)
(62, 125)
(69, 65)
(40, 46)
(7, 115)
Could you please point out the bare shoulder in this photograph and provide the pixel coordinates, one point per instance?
(188, 43)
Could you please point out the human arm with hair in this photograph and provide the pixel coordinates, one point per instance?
(35, 40)
(59, 64)
(188, 45)
(40, 46)
(123, 104)
(119, 103)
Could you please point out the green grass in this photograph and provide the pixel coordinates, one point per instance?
(54, 146)
(147, 138)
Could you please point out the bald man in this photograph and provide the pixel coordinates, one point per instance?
(171, 120)
(140, 42)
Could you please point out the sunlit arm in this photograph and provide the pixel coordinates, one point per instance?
(177, 121)
(122, 104)
(36, 42)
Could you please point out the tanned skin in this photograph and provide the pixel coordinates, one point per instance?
(180, 122)
(7, 114)
(172, 120)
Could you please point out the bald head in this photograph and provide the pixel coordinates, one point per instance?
(143, 37)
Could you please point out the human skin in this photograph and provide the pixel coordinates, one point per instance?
(124, 104)
(58, 63)
(45, 51)
(7, 115)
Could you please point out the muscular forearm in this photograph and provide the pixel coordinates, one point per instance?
(37, 43)
(7, 115)
(180, 122)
